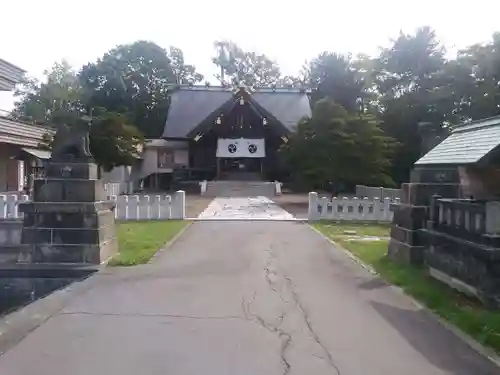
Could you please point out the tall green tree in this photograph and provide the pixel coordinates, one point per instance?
(183, 73)
(407, 78)
(43, 102)
(335, 76)
(239, 67)
(134, 79)
(61, 99)
(335, 145)
(126, 145)
(471, 81)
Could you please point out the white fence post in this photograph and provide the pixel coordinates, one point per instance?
(179, 205)
(168, 199)
(15, 207)
(127, 207)
(115, 201)
(203, 187)
(387, 209)
(148, 208)
(312, 214)
(3, 206)
(137, 201)
(278, 187)
(158, 207)
(126, 202)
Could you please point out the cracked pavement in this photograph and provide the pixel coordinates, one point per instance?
(242, 298)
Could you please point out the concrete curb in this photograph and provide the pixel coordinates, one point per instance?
(467, 339)
(170, 242)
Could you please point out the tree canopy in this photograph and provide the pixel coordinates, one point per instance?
(43, 102)
(337, 145)
(61, 99)
(239, 67)
(409, 83)
(134, 79)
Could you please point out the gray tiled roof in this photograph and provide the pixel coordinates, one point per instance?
(19, 133)
(466, 145)
(288, 107)
(190, 106)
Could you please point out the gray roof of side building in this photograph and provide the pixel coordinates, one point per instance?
(16, 132)
(189, 106)
(467, 144)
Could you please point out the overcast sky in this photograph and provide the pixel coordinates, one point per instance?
(35, 33)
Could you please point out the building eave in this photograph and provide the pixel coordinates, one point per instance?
(19, 133)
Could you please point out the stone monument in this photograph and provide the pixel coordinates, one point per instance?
(407, 243)
(70, 220)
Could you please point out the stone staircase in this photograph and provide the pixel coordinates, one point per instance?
(240, 189)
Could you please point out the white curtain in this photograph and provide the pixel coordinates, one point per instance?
(241, 148)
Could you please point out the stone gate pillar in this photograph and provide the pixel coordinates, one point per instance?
(407, 244)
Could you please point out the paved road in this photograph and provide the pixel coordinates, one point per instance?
(242, 298)
(244, 208)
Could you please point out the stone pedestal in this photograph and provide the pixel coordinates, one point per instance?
(470, 267)
(70, 219)
(407, 243)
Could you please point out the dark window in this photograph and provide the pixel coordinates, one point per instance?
(165, 158)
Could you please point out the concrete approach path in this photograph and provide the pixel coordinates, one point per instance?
(244, 208)
(242, 298)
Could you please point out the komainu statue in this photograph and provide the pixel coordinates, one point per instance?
(72, 143)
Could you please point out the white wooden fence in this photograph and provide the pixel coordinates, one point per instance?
(9, 205)
(350, 209)
(150, 207)
(128, 207)
(371, 192)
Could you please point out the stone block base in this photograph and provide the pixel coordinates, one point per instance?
(10, 254)
(81, 233)
(420, 194)
(435, 175)
(474, 265)
(69, 191)
(404, 253)
(72, 253)
(72, 170)
(405, 235)
(410, 217)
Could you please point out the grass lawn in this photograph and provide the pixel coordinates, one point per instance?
(467, 314)
(139, 241)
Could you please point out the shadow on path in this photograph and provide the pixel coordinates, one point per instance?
(434, 347)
